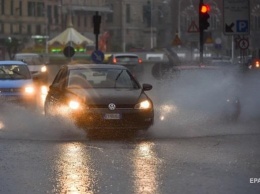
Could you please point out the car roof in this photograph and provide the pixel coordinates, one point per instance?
(12, 62)
(85, 66)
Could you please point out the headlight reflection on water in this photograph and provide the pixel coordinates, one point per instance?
(146, 166)
(74, 173)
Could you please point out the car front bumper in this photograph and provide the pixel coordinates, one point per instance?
(119, 119)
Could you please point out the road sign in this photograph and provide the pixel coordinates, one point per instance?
(193, 28)
(243, 44)
(176, 41)
(97, 56)
(69, 51)
(236, 17)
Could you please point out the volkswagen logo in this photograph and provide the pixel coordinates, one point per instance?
(111, 106)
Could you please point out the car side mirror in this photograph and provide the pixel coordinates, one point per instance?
(147, 87)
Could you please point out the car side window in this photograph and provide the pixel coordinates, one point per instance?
(60, 79)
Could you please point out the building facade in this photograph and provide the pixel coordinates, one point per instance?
(127, 24)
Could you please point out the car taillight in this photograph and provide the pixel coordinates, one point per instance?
(140, 61)
(257, 64)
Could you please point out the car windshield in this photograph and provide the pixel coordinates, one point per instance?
(14, 72)
(30, 59)
(102, 78)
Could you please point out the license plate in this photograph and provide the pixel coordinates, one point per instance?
(112, 116)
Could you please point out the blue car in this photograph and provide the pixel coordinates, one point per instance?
(16, 83)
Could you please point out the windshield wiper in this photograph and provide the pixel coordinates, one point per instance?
(118, 77)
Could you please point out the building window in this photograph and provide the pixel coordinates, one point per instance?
(85, 21)
(12, 7)
(1, 27)
(40, 9)
(38, 29)
(3, 7)
(128, 13)
(110, 15)
(29, 29)
(49, 14)
(78, 20)
(56, 14)
(20, 8)
(11, 29)
(31, 9)
(20, 28)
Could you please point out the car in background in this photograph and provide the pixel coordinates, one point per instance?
(129, 60)
(254, 64)
(100, 96)
(36, 64)
(16, 83)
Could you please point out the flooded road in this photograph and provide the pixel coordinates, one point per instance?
(190, 148)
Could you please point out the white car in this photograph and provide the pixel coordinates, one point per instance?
(35, 63)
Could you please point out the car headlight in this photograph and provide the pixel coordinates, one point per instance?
(74, 104)
(146, 104)
(29, 90)
(44, 69)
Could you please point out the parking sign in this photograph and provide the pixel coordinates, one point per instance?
(236, 17)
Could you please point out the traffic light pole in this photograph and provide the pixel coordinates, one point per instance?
(201, 35)
(96, 23)
(201, 45)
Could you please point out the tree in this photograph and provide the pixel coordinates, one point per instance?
(13, 46)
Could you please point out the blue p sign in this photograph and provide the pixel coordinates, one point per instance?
(242, 25)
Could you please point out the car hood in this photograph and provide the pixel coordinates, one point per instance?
(105, 96)
(14, 83)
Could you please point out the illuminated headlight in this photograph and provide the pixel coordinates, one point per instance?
(73, 104)
(257, 65)
(146, 104)
(29, 90)
(44, 69)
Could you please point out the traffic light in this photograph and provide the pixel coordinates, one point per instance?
(203, 16)
(96, 23)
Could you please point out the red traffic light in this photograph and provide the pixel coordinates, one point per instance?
(204, 8)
